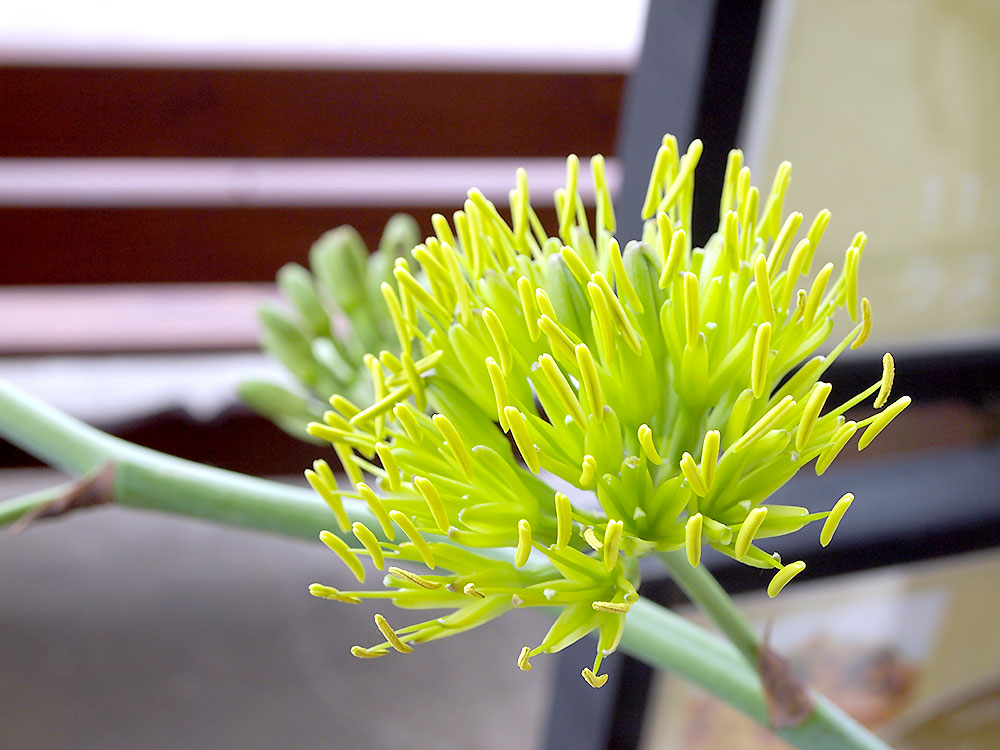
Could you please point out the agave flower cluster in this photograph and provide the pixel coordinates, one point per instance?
(560, 407)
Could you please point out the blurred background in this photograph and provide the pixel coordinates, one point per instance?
(159, 164)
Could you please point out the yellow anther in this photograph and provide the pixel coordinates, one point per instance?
(816, 234)
(564, 520)
(763, 284)
(710, 457)
(851, 281)
(414, 383)
(687, 165)
(403, 522)
(588, 471)
(816, 294)
(672, 263)
(749, 530)
(664, 235)
(469, 589)
(408, 419)
(840, 439)
(648, 445)
(431, 496)
(888, 372)
(664, 157)
(567, 397)
(442, 230)
(523, 550)
(619, 608)
(692, 324)
(455, 443)
(764, 424)
(343, 405)
(882, 421)
(782, 242)
(345, 553)
(772, 208)
(603, 195)
(411, 287)
(337, 422)
(569, 211)
(499, 336)
(622, 282)
(591, 538)
(329, 493)
(783, 576)
(522, 660)
(761, 357)
(328, 592)
(734, 162)
(545, 304)
(618, 312)
(522, 439)
(612, 543)
(529, 307)
(576, 266)
(833, 520)
(748, 219)
(731, 240)
(390, 635)
(389, 464)
(384, 404)
(602, 313)
(591, 381)
(367, 653)
(370, 543)
(377, 508)
(814, 405)
(594, 680)
(692, 539)
(413, 578)
(866, 323)
(693, 475)
(499, 384)
(558, 340)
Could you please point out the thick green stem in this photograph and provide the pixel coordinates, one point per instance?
(700, 586)
(147, 479)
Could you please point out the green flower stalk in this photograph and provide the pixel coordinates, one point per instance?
(584, 406)
(331, 319)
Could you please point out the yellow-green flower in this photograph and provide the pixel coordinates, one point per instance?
(584, 405)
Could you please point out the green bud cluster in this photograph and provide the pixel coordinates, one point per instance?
(584, 406)
(333, 315)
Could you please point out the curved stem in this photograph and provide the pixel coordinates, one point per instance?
(700, 586)
(145, 478)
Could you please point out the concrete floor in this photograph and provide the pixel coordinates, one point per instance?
(122, 629)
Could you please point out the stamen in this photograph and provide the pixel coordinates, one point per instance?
(469, 589)
(882, 421)
(710, 457)
(558, 339)
(591, 538)
(687, 165)
(442, 230)
(564, 520)
(523, 550)
(405, 416)
(421, 296)
(390, 466)
(731, 241)
(594, 680)
(833, 520)
(693, 476)
(782, 242)
(851, 282)
(602, 314)
(783, 576)
(413, 578)
(619, 608)
(866, 323)
(404, 523)
(748, 530)
(888, 372)
(763, 285)
(377, 508)
(499, 384)
(762, 425)
(622, 281)
(816, 234)
(343, 405)
(612, 542)
(328, 592)
(816, 292)
(367, 653)
(499, 336)
(519, 430)
(399, 323)
(734, 162)
(455, 443)
(329, 493)
(588, 470)
(563, 390)
(678, 243)
(615, 305)
(370, 543)
(390, 635)
(569, 212)
(528, 307)
(522, 660)
(692, 539)
(815, 403)
(840, 439)
(431, 496)
(591, 382)
(648, 446)
(761, 356)
(576, 266)
(603, 194)
(656, 179)
(345, 553)
(415, 383)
